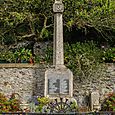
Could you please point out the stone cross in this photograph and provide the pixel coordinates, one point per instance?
(58, 53)
(59, 79)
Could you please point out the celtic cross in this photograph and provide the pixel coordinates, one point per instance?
(58, 53)
(58, 6)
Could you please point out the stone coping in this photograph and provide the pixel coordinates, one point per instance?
(27, 65)
(21, 65)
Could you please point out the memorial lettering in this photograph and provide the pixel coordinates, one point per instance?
(58, 86)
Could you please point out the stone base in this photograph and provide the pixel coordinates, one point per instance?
(58, 83)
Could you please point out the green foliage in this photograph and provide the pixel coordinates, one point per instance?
(74, 105)
(37, 59)
(43, 101)
(109, 55)
(23, 18)
(18, 56)
(46, 105)
(9, 104)
(23, 55)
(19, 19)
(98, 14)
(9, 38)
(46, 57)
(109, 103)
(7, 56)
(84, 59)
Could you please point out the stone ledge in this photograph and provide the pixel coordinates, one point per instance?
(42, 66)
(21, 65)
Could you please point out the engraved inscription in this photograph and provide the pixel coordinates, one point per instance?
(58, 86)
(53, 86)
(64, 88)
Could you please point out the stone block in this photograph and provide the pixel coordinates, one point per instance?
(58, 83)
(95, 101)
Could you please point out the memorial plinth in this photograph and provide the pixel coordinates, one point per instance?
(59, 83)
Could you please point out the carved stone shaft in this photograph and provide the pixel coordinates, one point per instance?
(58, 53)
(58, 80)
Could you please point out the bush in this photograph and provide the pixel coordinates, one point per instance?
(46, 57)
(43, 101)
(109, 55)
(7, 56)
(23, 55)
(84, 59)
(17, 56)
(109, 103)
(19, 20)
(9, 104)
(37, 104)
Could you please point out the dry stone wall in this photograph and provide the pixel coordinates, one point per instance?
(104, 85)
(28, 80)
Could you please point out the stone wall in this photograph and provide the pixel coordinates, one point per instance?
(28, 80)
(104, 85)
(25, 79)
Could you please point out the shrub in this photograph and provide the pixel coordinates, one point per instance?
(43, 101)
(109, 103)
(109, 55)
(84, 59)
(46, 57)
(9, 104)
(18, 56)
(23, 55)
(7, 56)
(21, 19)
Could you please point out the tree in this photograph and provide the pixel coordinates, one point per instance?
(33, 19)
(91, 15)
(24, 19)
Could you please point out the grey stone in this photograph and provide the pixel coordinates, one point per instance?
(58, 7)
(58, 53)
(95, 100)
(32, 83)
(39, 47)
(58, 82)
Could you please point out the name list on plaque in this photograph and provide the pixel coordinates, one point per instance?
(58, 85)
